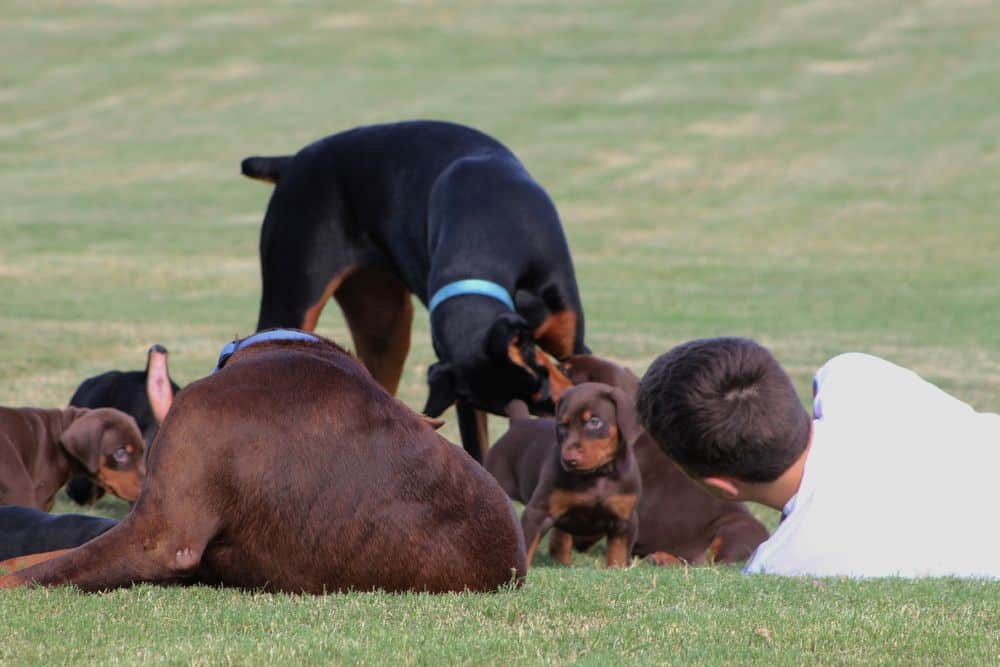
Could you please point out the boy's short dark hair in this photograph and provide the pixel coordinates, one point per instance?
(724, 406)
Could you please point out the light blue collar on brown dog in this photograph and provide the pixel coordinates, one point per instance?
(234, 346)
(471, 286)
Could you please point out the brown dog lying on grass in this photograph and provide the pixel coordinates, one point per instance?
(678, 521)
(576, 474)
(291, 469)
(40, 449)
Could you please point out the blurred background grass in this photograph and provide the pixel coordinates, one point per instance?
(821, 175)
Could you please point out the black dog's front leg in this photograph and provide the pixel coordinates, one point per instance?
(472, 427)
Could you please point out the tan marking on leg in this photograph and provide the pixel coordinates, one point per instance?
(22, 562)
(310, 319)
(531, 549)
(557, 334)
(714, 548)
(622, 504)
(617, 551)
(561, 546)
(379, 313)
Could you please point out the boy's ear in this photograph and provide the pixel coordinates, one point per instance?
(723, 487)
(441, 380)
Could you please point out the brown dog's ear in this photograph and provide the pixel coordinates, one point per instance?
(628, 421)
(82, 441)
(158, 389)
(441, 380)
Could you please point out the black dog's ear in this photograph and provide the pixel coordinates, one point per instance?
(506, 329)
(531, 307)
(441, 380)
(628, 422)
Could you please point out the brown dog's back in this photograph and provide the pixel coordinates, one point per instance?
(292, 470)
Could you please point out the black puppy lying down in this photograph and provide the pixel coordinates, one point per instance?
(26, 530)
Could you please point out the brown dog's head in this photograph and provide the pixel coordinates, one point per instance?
(581, 368)
(594, 424)
(511, 365)
(107, 444)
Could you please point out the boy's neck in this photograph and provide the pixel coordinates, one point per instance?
(776, 494)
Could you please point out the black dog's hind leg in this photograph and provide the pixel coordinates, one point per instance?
(379, 312)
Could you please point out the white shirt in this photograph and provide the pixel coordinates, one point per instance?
(900, 480)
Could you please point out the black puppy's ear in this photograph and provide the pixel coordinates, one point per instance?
(441, 380)
(506, 329)
(628, 422)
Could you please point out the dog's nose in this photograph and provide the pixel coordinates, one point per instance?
(571, 462)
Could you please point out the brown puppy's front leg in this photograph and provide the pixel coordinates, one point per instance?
(620, 542)
(535, 522)
(561, 547)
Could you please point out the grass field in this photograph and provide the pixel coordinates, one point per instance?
(823, 176)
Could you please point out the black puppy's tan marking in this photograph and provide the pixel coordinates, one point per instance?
(375, 214)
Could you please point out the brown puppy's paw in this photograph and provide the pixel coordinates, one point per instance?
(664, 559)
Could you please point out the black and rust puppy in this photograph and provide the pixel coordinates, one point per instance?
(146, 395)
(678, 521)
(582, 480)
(374, 214)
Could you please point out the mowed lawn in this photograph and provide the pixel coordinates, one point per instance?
(823, 176)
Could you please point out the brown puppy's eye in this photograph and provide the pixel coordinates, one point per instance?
(594, 423)
(121, 456)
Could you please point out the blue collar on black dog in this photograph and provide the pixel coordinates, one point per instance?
(234, 346)
(471, 286)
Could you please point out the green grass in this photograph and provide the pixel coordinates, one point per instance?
(823, 176)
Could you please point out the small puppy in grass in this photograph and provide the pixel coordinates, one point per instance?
(576, 474)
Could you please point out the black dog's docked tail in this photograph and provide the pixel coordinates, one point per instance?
(265, 168)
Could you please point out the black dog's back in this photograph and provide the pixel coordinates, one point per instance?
(26, 530)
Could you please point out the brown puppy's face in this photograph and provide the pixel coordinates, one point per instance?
(587, 428)
(108, 444)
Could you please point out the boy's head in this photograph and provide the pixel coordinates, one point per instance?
(724, 407)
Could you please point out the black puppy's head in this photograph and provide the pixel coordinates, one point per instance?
(595, 423)
(509, 366)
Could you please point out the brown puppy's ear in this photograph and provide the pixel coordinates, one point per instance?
(441, 380)
(158, 389)
(628, 421)
(82, 441)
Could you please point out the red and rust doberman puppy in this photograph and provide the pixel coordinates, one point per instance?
(580, 477)
(40, 449)
(145, 395)
(678, 521)
(445, 212)
(291, 469)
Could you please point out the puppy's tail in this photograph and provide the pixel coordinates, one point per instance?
(267, 169)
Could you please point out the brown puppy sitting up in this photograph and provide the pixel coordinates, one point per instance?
(576, 474)
(678, 521)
